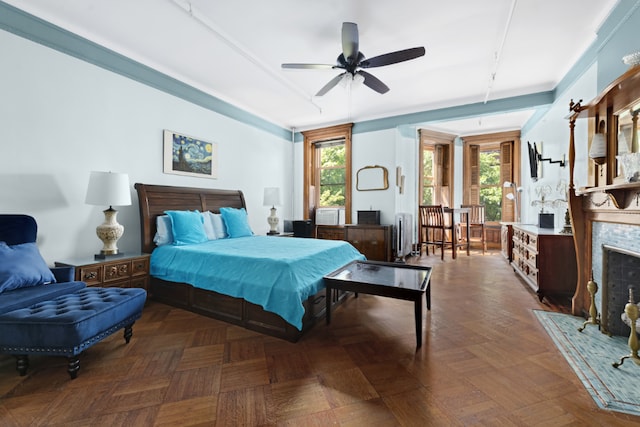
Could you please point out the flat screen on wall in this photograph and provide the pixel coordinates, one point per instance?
(533, 161)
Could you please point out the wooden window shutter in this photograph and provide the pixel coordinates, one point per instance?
(506, 174)
(437, 162)
(445, 165)
(442, 164)
(474, 181)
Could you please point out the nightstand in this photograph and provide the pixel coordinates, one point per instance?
(126, 271)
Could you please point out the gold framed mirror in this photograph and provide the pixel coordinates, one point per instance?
(371, 178)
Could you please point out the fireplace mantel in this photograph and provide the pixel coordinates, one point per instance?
(621, 195)
(610, 199)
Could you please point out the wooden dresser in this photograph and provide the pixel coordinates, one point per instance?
(545, 259)
(373, 241)
(128, 271)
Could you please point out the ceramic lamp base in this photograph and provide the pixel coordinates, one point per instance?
(109, 232)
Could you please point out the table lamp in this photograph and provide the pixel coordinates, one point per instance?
(109, 189)
(272, 198)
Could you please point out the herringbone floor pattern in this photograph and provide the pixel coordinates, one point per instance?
(485, 361)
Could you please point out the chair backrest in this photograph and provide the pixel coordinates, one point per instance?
(17, 229)
(431, 216)
(476, 214)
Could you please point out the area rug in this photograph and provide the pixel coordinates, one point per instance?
(590, 353)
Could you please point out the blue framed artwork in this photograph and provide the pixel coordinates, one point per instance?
(186, 155)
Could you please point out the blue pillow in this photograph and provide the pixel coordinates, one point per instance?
(236, 221)
(187, 227)
(22, 266)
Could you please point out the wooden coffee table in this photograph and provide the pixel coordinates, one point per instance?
(400, 281)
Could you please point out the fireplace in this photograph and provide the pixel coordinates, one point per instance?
(620, 272)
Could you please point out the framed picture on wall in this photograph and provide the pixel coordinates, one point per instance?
(186, 155)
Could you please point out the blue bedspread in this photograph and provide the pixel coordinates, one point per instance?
(278, 274)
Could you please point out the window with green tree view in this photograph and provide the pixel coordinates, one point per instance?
(428, 181)
(327, 169)
(490, 183)
(331, 173)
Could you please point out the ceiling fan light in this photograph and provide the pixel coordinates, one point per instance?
(358, 79)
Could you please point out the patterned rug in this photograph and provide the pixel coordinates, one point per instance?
(590, 353)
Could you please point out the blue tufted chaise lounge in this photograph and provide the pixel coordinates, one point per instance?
(43, 311)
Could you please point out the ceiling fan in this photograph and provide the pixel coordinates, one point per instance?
(352, 61)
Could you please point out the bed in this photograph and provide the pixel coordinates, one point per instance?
(281, 295)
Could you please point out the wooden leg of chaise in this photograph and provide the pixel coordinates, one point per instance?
(73, 367)
(22, 364)
(128, 332)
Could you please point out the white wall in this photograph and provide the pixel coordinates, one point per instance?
(553, 131)
(62, 118)
(369, 149)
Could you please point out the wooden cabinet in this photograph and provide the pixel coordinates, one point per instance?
(545, 260)
(130, 271)
(373, 241)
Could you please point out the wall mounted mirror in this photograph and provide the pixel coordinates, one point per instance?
(371, 178)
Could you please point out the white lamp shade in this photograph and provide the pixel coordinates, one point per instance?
(598, 146)
(507, 184)
(108, 189)
(271, 196)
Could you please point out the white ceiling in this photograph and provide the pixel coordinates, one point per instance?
(233, 50)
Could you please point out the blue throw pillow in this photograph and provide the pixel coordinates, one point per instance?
(187, 227)
(236, 222)
(22, 266)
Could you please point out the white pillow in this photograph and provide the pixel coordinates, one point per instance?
(164, 235)
(219, 228)
(208, 226)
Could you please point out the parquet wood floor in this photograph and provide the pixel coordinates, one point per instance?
(485, 361)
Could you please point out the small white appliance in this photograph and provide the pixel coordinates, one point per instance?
(330, 216)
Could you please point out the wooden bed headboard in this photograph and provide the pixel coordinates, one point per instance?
(153, 200)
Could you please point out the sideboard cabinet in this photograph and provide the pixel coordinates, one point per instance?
(373, 241)
(545, 259)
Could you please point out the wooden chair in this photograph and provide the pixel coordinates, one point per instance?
(433, 228)
(476, 222)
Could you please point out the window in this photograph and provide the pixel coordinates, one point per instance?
(428, 182)
(327, 169)
(488, 161)
(330, 173)
(490, 184)
(437, 166)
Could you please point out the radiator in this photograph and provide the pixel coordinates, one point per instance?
(404, 234)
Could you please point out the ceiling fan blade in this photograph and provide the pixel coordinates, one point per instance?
(393, 57)
(373, 82)
(350, 41)
(333, 82)
(308, 66)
